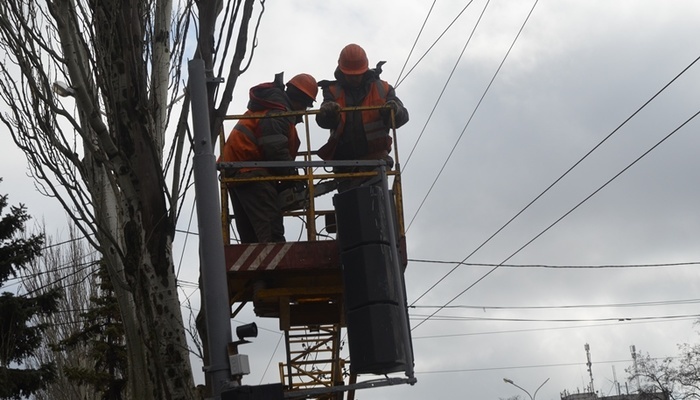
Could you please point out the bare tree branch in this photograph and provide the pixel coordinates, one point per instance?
(101, 151)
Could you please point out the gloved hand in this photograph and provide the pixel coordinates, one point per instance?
(328, 116)
(393, 106)
(385, 112)
(329, 109)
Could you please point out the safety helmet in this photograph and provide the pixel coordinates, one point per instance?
(306, 84)
(353, 60)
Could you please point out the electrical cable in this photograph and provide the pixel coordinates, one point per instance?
(79, 268)
(187, 283)
(606, 319)
(434, 43)
(68, 265)
(571, 306)
(187, 235)
(522, 27)
(188, 296)
(442, 92)
(50, 284)
(559, 178)
(515, 367)
(272, 356)
(563, 216)
(48, 246)
(603, 266)
(415, 42)
(444, 336)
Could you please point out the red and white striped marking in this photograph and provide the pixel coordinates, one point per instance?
(260, 257)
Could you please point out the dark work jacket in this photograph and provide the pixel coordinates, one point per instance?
(264, 139)
(350, 139)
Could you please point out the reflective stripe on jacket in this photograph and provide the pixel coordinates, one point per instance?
(248, 142)
(376, 132)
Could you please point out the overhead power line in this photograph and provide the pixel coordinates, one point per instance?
(71, 264)
(420, 31)
(561, 307)
(446, 371)
(551, 328)
(563, 216)
(599, 266)
(187, 235)
(399, 81)
(444, 87)
(55, 284)
(476, 108)
(499, 230)
(606, 319)
(51, 245)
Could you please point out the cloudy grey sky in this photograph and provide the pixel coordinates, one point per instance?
(577, 71)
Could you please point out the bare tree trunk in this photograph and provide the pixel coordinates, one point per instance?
(106, 210)
(105, 162)
(119, 190)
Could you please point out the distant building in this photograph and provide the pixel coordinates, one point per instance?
(639, 396)
(590, 393)
(578, 396)
(636, 396)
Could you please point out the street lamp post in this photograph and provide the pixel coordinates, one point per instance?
(532, 397)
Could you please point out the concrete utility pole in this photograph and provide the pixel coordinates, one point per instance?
(211, 241)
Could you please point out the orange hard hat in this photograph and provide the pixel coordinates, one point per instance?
(353, 60)
(306, 83)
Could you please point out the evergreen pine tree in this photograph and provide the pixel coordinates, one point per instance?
(20, 335)
(103, 333)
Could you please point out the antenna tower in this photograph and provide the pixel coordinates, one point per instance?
(588, 364)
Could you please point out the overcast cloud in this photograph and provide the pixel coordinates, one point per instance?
(577, 71)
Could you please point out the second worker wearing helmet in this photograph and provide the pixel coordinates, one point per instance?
(358, 135)
(257, 214)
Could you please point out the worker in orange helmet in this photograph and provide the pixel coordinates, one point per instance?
(257, 214)
(358, 135)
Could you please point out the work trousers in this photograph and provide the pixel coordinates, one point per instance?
(256, 211)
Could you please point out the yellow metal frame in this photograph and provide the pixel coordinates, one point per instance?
(310, 177)
(318, 362)
(312, 358)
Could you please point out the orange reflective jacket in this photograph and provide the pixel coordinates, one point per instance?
(248, 142)
(376, 131)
